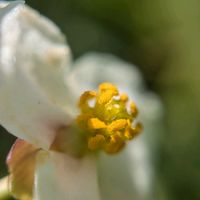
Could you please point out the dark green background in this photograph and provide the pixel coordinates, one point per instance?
(162, 38)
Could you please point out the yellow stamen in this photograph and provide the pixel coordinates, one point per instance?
(82, 120)
(138, 129)
(124, 97)
(134, 110)
(129, 133)
(105, 96)
(108, 123)
(95, 123)
(96, 142)
(108, 86)
(132, 132)
(117, 125)
(86, 96)
(115, 145)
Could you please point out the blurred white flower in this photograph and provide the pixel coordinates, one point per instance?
(39, 89)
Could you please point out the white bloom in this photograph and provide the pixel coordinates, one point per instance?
(39, 88)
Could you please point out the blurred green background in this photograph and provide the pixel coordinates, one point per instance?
(163, 39)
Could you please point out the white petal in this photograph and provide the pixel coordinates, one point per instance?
(37, 46)
(94, 68)
(25, 107)
(61, 177)
(115, 177)
(8, 6)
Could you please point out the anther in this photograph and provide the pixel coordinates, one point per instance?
(108, 86)
(86, 96)
(124, 97)
(134, 110)
(105, 96)
(95, 123)
(115, 145)
(96, 142)
(117, 125)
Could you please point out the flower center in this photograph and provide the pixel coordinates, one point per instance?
(107, 119)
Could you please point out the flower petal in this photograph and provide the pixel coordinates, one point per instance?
(94, 68)
(115, 177)
(127, 175)
(59, 176)
(37, 46)
(29, 59)
(21, 163)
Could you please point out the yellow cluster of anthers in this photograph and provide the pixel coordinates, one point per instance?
(105, 119)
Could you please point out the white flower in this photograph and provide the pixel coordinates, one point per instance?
(39, 89)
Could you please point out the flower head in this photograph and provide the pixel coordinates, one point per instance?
(38, 104)
(107, 123)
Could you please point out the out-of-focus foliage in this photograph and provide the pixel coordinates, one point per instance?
(6, 142)
(162, 38)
